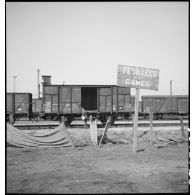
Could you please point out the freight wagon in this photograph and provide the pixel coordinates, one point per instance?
(98, 100)
(18, 105)
(167, 106)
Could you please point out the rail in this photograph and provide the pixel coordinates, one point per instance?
(79, 124)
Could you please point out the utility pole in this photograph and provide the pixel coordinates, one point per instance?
(170, 87)
(14, 83)
(130, 106)
(38, 85)
(171, 92)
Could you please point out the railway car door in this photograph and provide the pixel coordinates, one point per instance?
(89, 98)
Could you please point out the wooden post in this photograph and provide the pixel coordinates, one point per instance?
(11, 119)
(129, 103)
(90, 127)
(133, 117)
(95, 133)
(62, 119)
(151, 126)
(105, 131)
(85, 122)
(93, 130)
(136, 121)
(182, 125)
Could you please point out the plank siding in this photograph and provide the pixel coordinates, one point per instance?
(54, 103)
(37, 105)
(65, 103)
(47, 103)
(105, 102)
(76, 100)
(22, 103)
(19, 103)
(165, 104)
(51, 90)
(9, 103)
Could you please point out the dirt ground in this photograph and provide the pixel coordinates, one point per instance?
(112, 168)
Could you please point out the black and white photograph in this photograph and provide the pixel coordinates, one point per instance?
(97, 97)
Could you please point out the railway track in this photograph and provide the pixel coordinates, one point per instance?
(79, 124)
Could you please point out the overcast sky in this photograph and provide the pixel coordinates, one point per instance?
(83, 43)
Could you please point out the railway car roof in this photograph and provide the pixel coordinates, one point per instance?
(18, 93)
(157, 96)
(85, 85)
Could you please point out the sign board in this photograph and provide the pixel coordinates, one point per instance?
(138, 77)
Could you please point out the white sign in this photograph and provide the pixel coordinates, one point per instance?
(138, 77)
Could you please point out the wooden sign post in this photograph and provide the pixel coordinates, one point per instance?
(130, 103)
(135, 121)
(151, 126)
(138, 78)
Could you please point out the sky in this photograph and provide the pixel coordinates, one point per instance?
(84, 42)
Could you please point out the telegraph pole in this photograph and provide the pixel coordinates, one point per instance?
(171, 92)
(38, 85)
(14, 83)
(170, 87)
(130, 106)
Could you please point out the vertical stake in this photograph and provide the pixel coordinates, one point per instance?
(62, 119)
(133, 117)
(105, 131)
(11, 119)
(136, 121)
(130, 103)
(182, 126)
(93, 130)
(95, 133)
(85, 120)
(151, 126)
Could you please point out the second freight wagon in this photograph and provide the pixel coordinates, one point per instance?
(166, 106)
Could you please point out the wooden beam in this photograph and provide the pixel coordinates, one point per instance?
(182, 126)
(151, 126)
(59, 103)
(62, 119)
(111, 99)
(71, 100)
(105, 130)
(11, 119)
(136, 121)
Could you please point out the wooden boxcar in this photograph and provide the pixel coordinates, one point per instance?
(19, 105)
(166, 106)
(100, 100)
